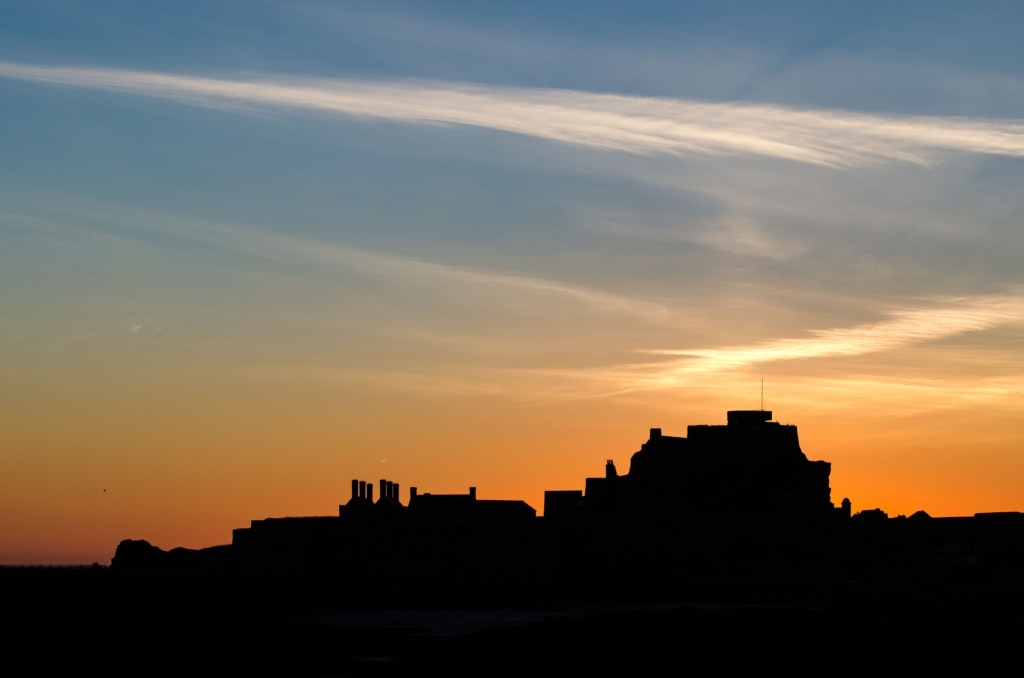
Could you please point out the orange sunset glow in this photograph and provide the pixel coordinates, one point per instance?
(245, 262)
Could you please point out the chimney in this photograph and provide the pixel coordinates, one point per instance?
(412, 494)
(655, 433)
(362, 489)
(394, 493)
(472, 493)
(383, 489)
(355, 489)
(369, 492)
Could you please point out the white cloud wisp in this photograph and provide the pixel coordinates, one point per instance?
(637, 125)
(900, 329)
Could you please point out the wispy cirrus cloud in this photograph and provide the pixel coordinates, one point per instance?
(901, 328)
(398, 269)
(638, 125)
(420, 272)
(709, 369)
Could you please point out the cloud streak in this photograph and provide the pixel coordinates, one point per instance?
(419, 272)
(692, 368)
(637, 125)
(900, 329)
(702, 368)
(399, 269)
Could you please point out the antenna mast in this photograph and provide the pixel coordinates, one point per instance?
(762, 395)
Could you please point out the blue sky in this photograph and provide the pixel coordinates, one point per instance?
(212, 211)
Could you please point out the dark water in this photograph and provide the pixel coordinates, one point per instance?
(84, 621)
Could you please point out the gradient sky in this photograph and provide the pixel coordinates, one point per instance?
(252, 250)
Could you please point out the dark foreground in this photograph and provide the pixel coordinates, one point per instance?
(78, 621)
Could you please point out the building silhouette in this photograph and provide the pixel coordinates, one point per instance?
(750, 466)
(739, 500)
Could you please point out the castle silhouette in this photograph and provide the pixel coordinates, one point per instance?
(739, 500)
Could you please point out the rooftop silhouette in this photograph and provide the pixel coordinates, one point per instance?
(738, 500)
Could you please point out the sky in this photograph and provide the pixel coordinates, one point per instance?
(252, 250)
